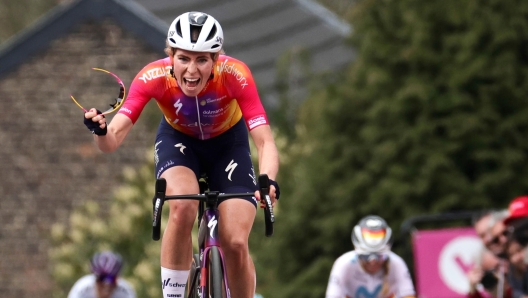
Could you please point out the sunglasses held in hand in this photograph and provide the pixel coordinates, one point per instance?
(117, 102)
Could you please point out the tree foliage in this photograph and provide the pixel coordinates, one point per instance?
(124, 228)
(431, 117)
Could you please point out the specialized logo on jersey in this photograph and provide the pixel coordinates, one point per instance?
(177, 105)
(232, 70)
(181, 146)
(230, 168)
(212, 225)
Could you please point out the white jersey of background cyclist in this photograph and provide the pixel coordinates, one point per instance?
(85, 288)
(348, 279)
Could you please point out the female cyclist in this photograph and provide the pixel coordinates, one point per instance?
(209, 102)
(104, 282)
(371, 269)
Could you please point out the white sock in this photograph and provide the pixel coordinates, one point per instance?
(173, 282)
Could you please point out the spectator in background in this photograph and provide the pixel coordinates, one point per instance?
(482, 225)
(104, 282)
(517, 225)
(517, 268)
(517, 220)
(499, 235)
(484, 278)
(487, 277)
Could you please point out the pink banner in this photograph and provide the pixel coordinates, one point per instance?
(442, 259)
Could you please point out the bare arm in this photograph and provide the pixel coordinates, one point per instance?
(268, 156)
(118, 129)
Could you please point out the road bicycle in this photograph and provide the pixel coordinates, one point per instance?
(207, 277)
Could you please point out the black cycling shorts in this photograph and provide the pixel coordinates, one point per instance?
(225, 159)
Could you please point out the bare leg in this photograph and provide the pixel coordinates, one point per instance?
(176, 245)
(236, 220)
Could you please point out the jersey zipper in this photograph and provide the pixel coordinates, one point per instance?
(199, 120)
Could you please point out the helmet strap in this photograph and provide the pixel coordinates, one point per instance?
(171, 70)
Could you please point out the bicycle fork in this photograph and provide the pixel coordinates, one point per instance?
(208, 237)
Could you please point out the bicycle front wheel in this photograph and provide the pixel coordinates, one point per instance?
(193, 284)
(215, 272)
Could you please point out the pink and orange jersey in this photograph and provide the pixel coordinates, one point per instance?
(230, 95)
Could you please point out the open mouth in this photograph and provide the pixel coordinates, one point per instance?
(191, 83)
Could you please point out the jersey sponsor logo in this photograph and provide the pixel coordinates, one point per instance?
(213, 112)
(362, 292)
(215, 99)
(152, 74)
(212, 225)
(232, 70)
(174, 295)
(230, 168)
(254, 122)
(128, 111)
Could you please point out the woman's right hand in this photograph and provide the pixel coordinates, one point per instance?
(96, 122)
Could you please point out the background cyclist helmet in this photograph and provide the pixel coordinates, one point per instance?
(210, 38)
(371, 235)
(106, 266)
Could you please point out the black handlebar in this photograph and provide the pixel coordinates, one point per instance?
(211, 197)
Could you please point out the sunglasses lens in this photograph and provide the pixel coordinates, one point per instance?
(372, 257)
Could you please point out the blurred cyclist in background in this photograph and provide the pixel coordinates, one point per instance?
(104, 282)
(371, 269)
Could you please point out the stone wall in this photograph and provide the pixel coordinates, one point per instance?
(49, 163)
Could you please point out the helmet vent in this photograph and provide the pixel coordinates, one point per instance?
(178, 29)
(211, 34)
(195, 33)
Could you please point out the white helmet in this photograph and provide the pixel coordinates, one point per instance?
(371, 235)
(210, 38)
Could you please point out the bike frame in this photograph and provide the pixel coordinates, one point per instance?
(208, 221)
